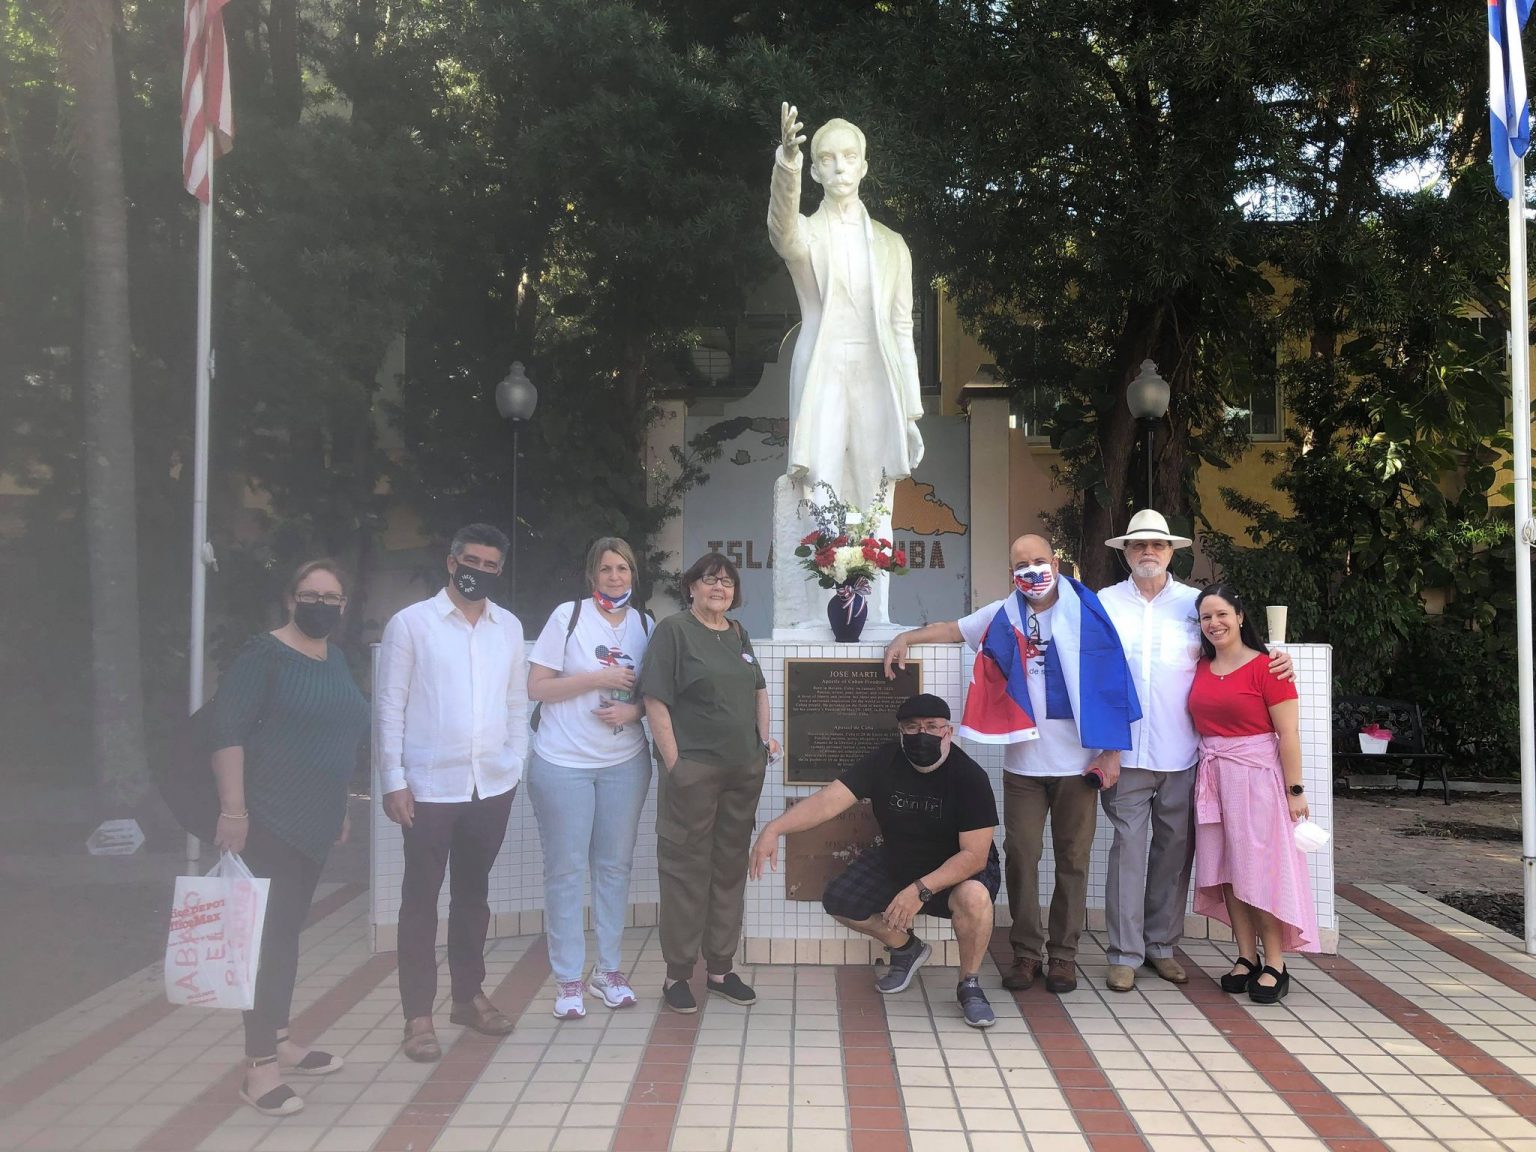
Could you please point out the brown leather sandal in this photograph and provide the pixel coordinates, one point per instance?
(420, 1042)
(481, 1016)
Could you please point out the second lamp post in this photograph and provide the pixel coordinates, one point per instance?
(516, 398)
(1147, 397)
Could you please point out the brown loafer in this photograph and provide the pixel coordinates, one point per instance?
(481, 1016)
(420, 1042)
(1022, 975)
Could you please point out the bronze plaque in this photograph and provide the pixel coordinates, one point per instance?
(836, 712)
(813, 857)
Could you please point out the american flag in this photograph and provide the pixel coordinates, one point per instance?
(1508, 109)
(204, 94)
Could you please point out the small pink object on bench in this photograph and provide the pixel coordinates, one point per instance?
(1374, 740)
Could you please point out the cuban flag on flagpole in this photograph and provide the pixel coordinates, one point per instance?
(1509, 111)
(1087, 681)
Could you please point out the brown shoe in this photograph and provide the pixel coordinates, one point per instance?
(1169, 969)
(1022, 975)
(420, 1042)
(1062, 977)
(481, 1016)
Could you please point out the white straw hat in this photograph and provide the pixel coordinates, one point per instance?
(1148, 525)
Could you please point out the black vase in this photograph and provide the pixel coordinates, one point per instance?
(847, 611)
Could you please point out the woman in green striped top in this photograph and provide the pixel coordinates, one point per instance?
(288, 720)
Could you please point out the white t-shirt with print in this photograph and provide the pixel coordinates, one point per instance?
(569, 733)
(1057, 752)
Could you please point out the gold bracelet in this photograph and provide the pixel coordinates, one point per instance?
(232, 816)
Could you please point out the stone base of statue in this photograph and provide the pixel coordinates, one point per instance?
(799, 604)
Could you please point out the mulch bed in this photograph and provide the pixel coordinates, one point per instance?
(1504, 910)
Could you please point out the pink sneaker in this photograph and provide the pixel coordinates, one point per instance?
(568, 1002)
(612, 987)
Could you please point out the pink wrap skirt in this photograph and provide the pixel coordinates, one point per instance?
(1243, 837)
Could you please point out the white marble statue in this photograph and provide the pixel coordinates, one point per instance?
(854, 400)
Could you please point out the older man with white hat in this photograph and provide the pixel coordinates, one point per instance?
(1150, 806)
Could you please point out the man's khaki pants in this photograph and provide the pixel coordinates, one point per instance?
(704, 821)
(1073, 810)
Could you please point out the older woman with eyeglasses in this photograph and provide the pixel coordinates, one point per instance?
(707, 704)
(288, 721)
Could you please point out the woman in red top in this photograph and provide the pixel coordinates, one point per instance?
(1249, 873)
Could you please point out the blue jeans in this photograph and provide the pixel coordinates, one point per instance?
(587, 818)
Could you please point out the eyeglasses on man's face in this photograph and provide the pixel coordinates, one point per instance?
(723, 581)
(334, 599)
(932, 727)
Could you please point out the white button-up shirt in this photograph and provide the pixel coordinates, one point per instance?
(1161, 637)
(451, 702)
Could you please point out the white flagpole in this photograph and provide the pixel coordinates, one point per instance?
(201, 553)
(1520, 418)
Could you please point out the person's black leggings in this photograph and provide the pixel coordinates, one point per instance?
(294, 876)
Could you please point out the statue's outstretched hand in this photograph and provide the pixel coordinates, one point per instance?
(914, 445)
(791, 132)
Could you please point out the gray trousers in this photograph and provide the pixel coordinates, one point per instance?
(1147, 887)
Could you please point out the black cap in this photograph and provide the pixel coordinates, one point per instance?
(923, 706)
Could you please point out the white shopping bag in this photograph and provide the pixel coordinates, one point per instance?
(215, 941)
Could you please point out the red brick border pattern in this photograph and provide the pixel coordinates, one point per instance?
(1305, 1095)
(650, 1111)
(877, 1118)
(1506, 974)
(1096, 1107)
(433, 1104)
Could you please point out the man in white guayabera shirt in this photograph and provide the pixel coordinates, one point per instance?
(1150, 806)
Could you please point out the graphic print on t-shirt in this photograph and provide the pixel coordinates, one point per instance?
(612, 657)
(931, 806)
(1032, 647)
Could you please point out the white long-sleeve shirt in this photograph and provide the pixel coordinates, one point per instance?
(1161, 638)
(451, 702)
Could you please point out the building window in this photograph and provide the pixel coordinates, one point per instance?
(1032, 407)
(1263, 400)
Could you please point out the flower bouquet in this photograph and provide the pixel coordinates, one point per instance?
(845, 551)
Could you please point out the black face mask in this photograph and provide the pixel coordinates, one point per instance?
(317, 621)
(472, 584)
(923, 749)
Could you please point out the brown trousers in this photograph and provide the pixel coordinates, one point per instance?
(1073, 810)
(704, 821)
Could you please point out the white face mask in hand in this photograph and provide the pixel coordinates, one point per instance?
(1310, 836)
(1034, 580)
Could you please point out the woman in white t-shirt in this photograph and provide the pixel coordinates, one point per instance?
(589, 773)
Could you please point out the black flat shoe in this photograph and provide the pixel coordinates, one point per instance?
(1263, 994)
(679, 997)
(1239, 982)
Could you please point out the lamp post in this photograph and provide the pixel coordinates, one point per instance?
(516, 398)
(1147, 397)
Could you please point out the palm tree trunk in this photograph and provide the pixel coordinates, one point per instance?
(110, 527)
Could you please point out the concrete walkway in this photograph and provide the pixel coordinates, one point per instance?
(1421, 1034)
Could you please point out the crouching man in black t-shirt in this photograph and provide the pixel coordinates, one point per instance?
(937, 815)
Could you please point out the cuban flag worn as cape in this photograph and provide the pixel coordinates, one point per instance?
(1086, 676)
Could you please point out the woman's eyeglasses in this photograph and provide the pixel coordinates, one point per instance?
(723, 581)
(333, 599)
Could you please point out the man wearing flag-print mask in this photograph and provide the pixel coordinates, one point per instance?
(1051, 684)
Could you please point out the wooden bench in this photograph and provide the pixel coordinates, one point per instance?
(1403, 719)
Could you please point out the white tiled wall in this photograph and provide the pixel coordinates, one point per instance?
(774, 923)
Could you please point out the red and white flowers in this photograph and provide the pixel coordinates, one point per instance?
(840, 552)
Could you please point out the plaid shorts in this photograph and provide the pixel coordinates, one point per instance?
(867, 888)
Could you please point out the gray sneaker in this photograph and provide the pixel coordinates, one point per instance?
(973, 1002)
(904, 965)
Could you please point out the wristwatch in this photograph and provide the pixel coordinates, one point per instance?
(922, 892)
(1296, 789)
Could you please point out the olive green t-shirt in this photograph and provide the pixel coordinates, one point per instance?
(709, 681)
